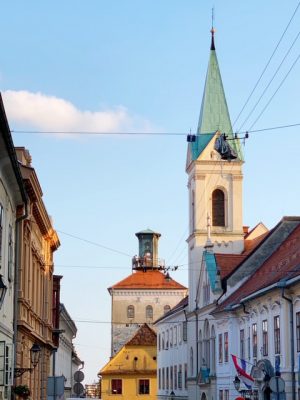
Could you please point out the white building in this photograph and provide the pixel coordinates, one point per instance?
(12, 201)
(172, 353)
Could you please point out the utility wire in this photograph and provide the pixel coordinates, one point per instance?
(271, 80)
(266, 66)
(152, 133)
(274, 94)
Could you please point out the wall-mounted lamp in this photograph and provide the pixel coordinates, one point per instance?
(237, 383)
(35, 353)
(3, 289)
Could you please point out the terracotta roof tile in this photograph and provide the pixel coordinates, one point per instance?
(284, 263)
(228, 262)
(147, 280)
(145, 336)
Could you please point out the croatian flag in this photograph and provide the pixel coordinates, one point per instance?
(241, 371)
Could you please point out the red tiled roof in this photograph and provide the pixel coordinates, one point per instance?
(252, 244)
(147, 280)
(228, 262)
(284, 263)
(145, 336)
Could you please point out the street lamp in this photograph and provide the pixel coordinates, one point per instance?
(237, 383)
(3, 289)
(35, 353)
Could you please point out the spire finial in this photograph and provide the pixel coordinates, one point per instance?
(212, 46)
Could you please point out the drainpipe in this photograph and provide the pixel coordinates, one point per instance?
(292, 339)
(18, 243)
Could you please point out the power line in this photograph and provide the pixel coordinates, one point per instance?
(266, 66)
(271, 80)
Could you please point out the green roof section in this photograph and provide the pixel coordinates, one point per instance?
(214, 114)
(211, 267)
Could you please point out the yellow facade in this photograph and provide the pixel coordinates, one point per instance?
(131, 373)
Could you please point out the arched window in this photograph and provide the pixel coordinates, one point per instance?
(130, 312)
(191, 362)
(213, 350)
(206, 343)
(200, 349)
(218, 208)
(167, 308)
(149, 312)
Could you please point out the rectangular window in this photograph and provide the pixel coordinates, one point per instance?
(10, 253)
(2, 363)
(179, 376)
(158, 340)
(185, 376)
(254, 340)
(116, 386)
(144, 386)
(184, 331)
(226, 394)
(220, 349)
(298, 330)
(167, 378)
(171, 337)
(221, 395)
(265, 337)
(159, 379)
(163, 379)
(175, 335)
(171, 378)
(242, 343)
(277, 334)
(175, 377)
(226, 349)
(1, 231)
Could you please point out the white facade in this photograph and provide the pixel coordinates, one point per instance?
(12, 195)
(172, 354)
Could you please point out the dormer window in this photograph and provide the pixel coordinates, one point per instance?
(218, 208)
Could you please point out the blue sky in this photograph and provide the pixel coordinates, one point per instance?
(122, 66)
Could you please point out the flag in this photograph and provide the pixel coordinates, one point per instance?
(241, 371)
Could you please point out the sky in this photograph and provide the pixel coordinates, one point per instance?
(123, 66)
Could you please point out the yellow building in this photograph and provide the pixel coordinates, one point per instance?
(131, 373)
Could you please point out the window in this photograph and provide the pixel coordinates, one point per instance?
(116, 386)
(220, 394)
(1, 230)
(144, 386)
(175, 377)
(130, 312)
(218, 208)
(254, 340)
(184, 331)
(226, 350)
(158, 341)
(10, 253)
(163, 379)
(191, 362)
(265, 337)
(226, 394)
(167, 308)
(248, 344)
(242, 343)
(179, 376)
(163, 341)
(171, 378)
(167, 378)
(193, 210)
(220, 348)
(149, 312)
(2, 363)
(159, 379)
(298, 330)
(206, 344)
(213, 351)
(171, 337)
(185, 376)
(277, 334)
(167, 340)
(175, 335)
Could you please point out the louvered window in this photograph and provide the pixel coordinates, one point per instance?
(218, 208)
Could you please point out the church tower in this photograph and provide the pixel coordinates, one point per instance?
(214, 183)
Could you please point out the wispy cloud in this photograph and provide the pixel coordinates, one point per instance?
(49, 113)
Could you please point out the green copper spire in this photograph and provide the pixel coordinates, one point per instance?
(214, 115)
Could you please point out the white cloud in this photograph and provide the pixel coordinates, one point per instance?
(49, 113)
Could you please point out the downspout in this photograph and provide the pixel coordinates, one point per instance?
(18, 243)
(292, 340)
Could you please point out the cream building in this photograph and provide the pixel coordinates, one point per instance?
(143, 296)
